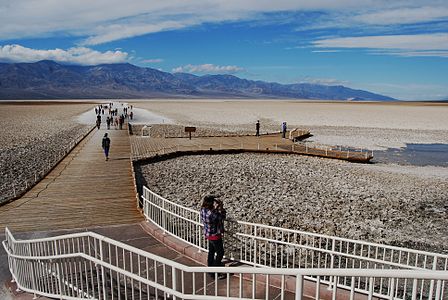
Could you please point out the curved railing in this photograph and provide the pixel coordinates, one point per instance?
(269, 246)
(90, 266)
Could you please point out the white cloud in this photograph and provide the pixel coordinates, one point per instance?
(405, 45)
(323, 81)
(403, 15)
(325, 51)
(207, 69)
(80, 55)
(103, 21)
(152, 61)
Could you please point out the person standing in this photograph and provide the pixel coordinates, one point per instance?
(257, 128)
(284, 128)
(106, 145)
(213, 215)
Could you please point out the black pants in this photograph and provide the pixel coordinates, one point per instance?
(218, 248)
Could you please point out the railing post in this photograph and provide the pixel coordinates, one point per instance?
(299, 286)
(333, 248)
(173, 275)
(59, 276)
(102, 270)
(255, 245)
(163, 217)
(33, 277)
(431, 286)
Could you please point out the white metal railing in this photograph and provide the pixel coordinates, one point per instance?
(90, 266)
(269, 246)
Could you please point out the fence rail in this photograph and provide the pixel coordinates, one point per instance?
(268, 246)
(90, 266)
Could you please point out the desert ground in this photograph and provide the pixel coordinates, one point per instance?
(365, 125)
(387, 203)
(403, 205)
(33, 134)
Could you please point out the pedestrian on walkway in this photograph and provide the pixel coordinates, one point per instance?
(213, 215)
(257, 128)
(98, 121)
(106, 145)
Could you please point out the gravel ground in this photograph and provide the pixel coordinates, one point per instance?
(312, 194)
(32, 137)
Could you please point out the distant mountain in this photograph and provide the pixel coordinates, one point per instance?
(50, 80)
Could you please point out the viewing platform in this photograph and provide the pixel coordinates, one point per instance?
(147, 147)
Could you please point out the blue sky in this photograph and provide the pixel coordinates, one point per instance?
(397, 48)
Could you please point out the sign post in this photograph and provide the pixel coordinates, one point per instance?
(190, 130)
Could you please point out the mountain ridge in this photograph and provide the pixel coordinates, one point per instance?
(50, 80)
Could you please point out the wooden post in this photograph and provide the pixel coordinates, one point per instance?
(190, 130)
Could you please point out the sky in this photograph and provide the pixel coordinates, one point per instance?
(395, 48)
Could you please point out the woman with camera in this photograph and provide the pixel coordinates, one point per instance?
(213, 215)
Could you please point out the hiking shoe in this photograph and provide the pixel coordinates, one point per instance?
(222, 276)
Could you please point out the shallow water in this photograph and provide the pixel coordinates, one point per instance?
(415, 154)
(141, 116)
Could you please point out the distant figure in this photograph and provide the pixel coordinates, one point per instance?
(257, 128)
(284, 128)
(98, 121)
(213, 215)
(131, 115)
(108, 121)
(106, 145)
(121, 121)
(116, 122)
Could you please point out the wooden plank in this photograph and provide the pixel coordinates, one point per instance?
(83, 190)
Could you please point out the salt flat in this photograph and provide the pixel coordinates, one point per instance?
(32, 133)
(370, 125)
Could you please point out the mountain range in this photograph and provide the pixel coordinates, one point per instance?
(51, 80)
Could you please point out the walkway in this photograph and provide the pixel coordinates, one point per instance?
(82, 191)
(147, 147)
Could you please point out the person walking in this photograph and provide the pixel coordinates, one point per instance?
(98, 121)
(213, 215)
(257, 128)
(106, 145)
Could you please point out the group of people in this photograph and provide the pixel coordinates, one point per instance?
(257, 129)
(113, 118)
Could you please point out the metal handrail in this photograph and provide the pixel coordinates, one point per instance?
(269, 246)
(30, 269)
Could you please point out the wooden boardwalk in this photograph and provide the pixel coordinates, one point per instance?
(82, 191)
(146, 147)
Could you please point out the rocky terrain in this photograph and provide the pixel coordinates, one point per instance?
(33, 137)
(312, 194)
(50, 80)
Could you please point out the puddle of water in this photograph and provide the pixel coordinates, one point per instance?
(141, 116)
(415, 154)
